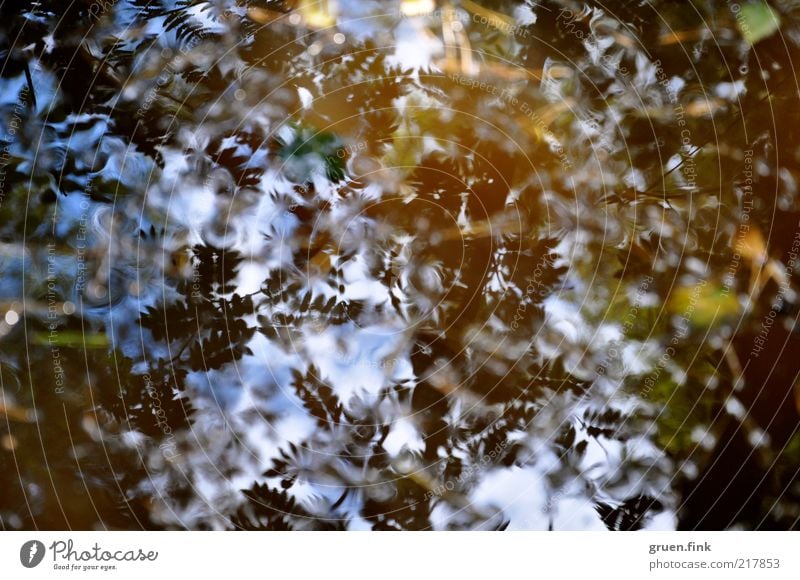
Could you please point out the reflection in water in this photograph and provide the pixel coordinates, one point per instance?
(407, 265)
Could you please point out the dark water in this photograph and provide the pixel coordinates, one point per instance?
(399, 265)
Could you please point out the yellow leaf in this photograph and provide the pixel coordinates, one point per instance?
(678, 36)
(752, 246)
(15, 413)
(496, 19)
(417, 7)
(703, 107)
(262, 15)
(318, 13)
(703, 304)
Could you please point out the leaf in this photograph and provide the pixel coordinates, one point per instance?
(608, 423)
(630, 515)
(752, 246)
(72, 339)
(417, 7)
(566, 439)
(757, 21)
(317, 14)
(263, 15)
(704, 304)
(318, 398)
(14, 413)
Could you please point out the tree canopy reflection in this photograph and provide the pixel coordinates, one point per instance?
(398, 265)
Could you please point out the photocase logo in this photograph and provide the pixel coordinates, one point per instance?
(31, 553)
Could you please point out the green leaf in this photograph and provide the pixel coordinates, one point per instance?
(757, 21)
(72, 339)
